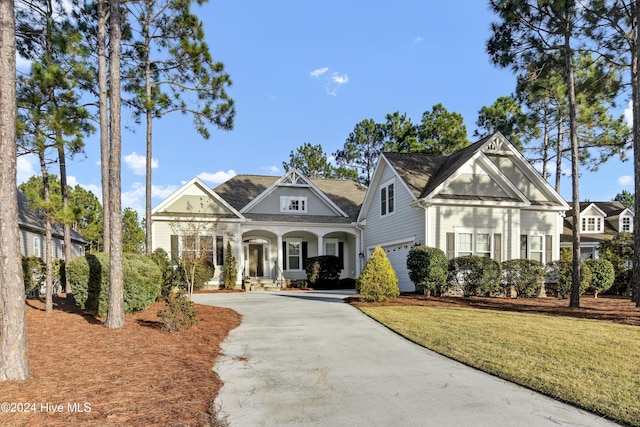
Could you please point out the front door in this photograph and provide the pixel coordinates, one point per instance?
(256, 266)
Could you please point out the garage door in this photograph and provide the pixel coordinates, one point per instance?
(397, 254)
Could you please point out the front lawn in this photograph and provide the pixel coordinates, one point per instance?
(590, 363)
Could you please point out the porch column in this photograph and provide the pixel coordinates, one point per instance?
(358, 259)
(280, 259)
(239, 255)
(320, 245)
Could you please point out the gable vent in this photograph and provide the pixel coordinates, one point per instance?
(496, 144)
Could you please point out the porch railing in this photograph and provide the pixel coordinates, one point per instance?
(275, 274)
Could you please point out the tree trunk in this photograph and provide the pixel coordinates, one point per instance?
(104, 121)
(115, 312)
(575, 173)
(14, 363)
(559, 156)
(65, 206)
(635, 85)
(48, 238)
(149, 159)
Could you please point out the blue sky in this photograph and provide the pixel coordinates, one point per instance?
(309, 71)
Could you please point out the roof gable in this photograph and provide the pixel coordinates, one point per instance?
(195, 198)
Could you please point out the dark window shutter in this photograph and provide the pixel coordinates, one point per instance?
(451, 245)
(175, 252)
(523, 246)
(548, 248)
(304, 252)
(497, 247)
(284, 256)
(341, 254)
(219, 250)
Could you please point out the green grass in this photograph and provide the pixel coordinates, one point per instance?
(591, 364)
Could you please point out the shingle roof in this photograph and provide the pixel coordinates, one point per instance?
(242, 189)
(424, 172)
(611, 208)
(28, 218)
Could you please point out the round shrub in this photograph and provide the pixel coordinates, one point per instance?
(203, 270)
(475, 275)
(525, 275)
(428, 268)
(378, 280)
(559, 277)
(602, 275)
(89, 280)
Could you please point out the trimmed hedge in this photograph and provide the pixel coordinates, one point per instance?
(323, 271)
(525, 275)
(378, 280)
(89, 280)
(475, 275)
(428, 268)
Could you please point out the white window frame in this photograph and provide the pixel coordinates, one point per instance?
(629, 226)
(388, 202)
(597, 224)
(37, 247)
(474, 242)
(541, 251)
(331, 243)
(295, 204)
(288, 254)
(198, 249)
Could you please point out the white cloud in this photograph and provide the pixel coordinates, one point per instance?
(339, 79)
(628, 114)
(217, 177)
(22, 64)
(417, 39)
(318, 72)
(160, 192)
(138, 163)
(625, 180)
(25, 169)
(273, 170)
(134, 198)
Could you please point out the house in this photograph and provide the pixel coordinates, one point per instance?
(31, 226)
(272, 223)
(599, 221)
(484, 200)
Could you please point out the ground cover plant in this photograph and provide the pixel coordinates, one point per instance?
(586, 356)
(135, 376)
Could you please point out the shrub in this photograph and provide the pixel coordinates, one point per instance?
(169, 276)
(203, 270)
(230, 272)
(89, 280)
(33, 271)
(559, 277)
(603, 275)
(475, 275)
(179, 314)
(323, 271)
(427, 268)
(526, 275)
(378, 280)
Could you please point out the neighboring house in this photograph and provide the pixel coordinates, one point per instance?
(484, 200)
(32, 234)
(599, 221)
(272, 223)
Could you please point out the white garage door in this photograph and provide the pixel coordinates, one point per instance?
(397, 254)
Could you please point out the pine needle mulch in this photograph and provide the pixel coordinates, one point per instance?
(84, 374)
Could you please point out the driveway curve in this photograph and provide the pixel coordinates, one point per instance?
(308, 359)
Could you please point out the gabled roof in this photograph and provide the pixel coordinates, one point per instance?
(33, 220)
(608, 209)
(425, 175)
(242, 191)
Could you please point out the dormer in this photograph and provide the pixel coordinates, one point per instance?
(592, 220)
(623, 221)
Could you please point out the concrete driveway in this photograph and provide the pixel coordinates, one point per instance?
(309, 359)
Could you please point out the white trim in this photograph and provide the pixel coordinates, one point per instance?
(288, 257)
(474, 240)
(286, 203)
(385, 186)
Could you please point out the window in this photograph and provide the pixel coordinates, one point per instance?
(474, 242)
(194, 246)
(387, 203)
(36, 247)
(331, 247)
(293, 204)
(626, 224)
(592, 224)
(294, 255)
(536, 248)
